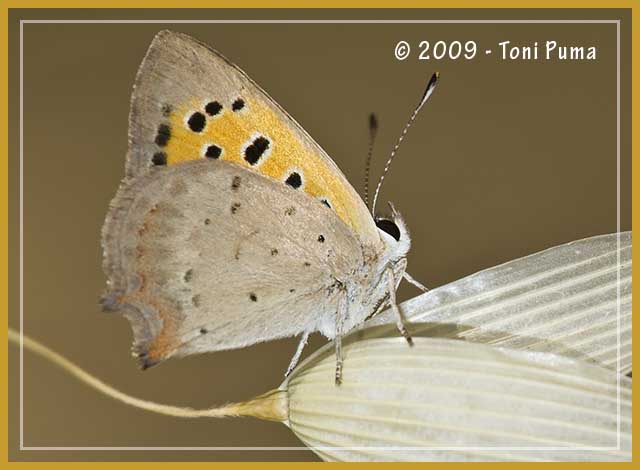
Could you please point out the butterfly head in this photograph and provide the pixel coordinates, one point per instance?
(392, 230)
(394, 233)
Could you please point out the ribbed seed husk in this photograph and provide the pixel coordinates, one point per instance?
(452, 400)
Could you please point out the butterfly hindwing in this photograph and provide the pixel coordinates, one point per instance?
(190, 103)
(208, 256)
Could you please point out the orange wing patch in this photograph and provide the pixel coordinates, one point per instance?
(250, 133)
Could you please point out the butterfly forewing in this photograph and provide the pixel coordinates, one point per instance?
(190, 103)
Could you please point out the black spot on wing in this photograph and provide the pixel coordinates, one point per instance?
(237, 104)
(197, 122)
(213, 151)
(213, 108)
(159, 158)
(294, 180)
(256, 150)
(163, 135)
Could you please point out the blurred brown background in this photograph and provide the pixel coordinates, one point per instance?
(508, 158)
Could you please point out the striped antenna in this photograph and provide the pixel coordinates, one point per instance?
(427, 93)
(373, 130)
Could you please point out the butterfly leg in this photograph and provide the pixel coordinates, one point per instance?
(340, 316)
(394, 306)
(411, 280)
(296, 356)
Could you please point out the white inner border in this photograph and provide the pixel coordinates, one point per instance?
(23, 22)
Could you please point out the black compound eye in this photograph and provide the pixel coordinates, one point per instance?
(390, 227)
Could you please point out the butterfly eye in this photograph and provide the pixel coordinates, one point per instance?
(389, 227)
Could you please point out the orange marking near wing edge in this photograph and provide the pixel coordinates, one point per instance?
(165, 343)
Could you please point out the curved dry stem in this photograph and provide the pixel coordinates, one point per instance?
(269, 406)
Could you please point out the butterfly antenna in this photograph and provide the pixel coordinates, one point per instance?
(433, 81)
(373, 131)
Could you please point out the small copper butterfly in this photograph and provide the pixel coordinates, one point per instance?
(232, 226)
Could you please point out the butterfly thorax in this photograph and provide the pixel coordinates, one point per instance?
(367, 287)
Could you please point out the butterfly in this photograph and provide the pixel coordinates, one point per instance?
(232, 226)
